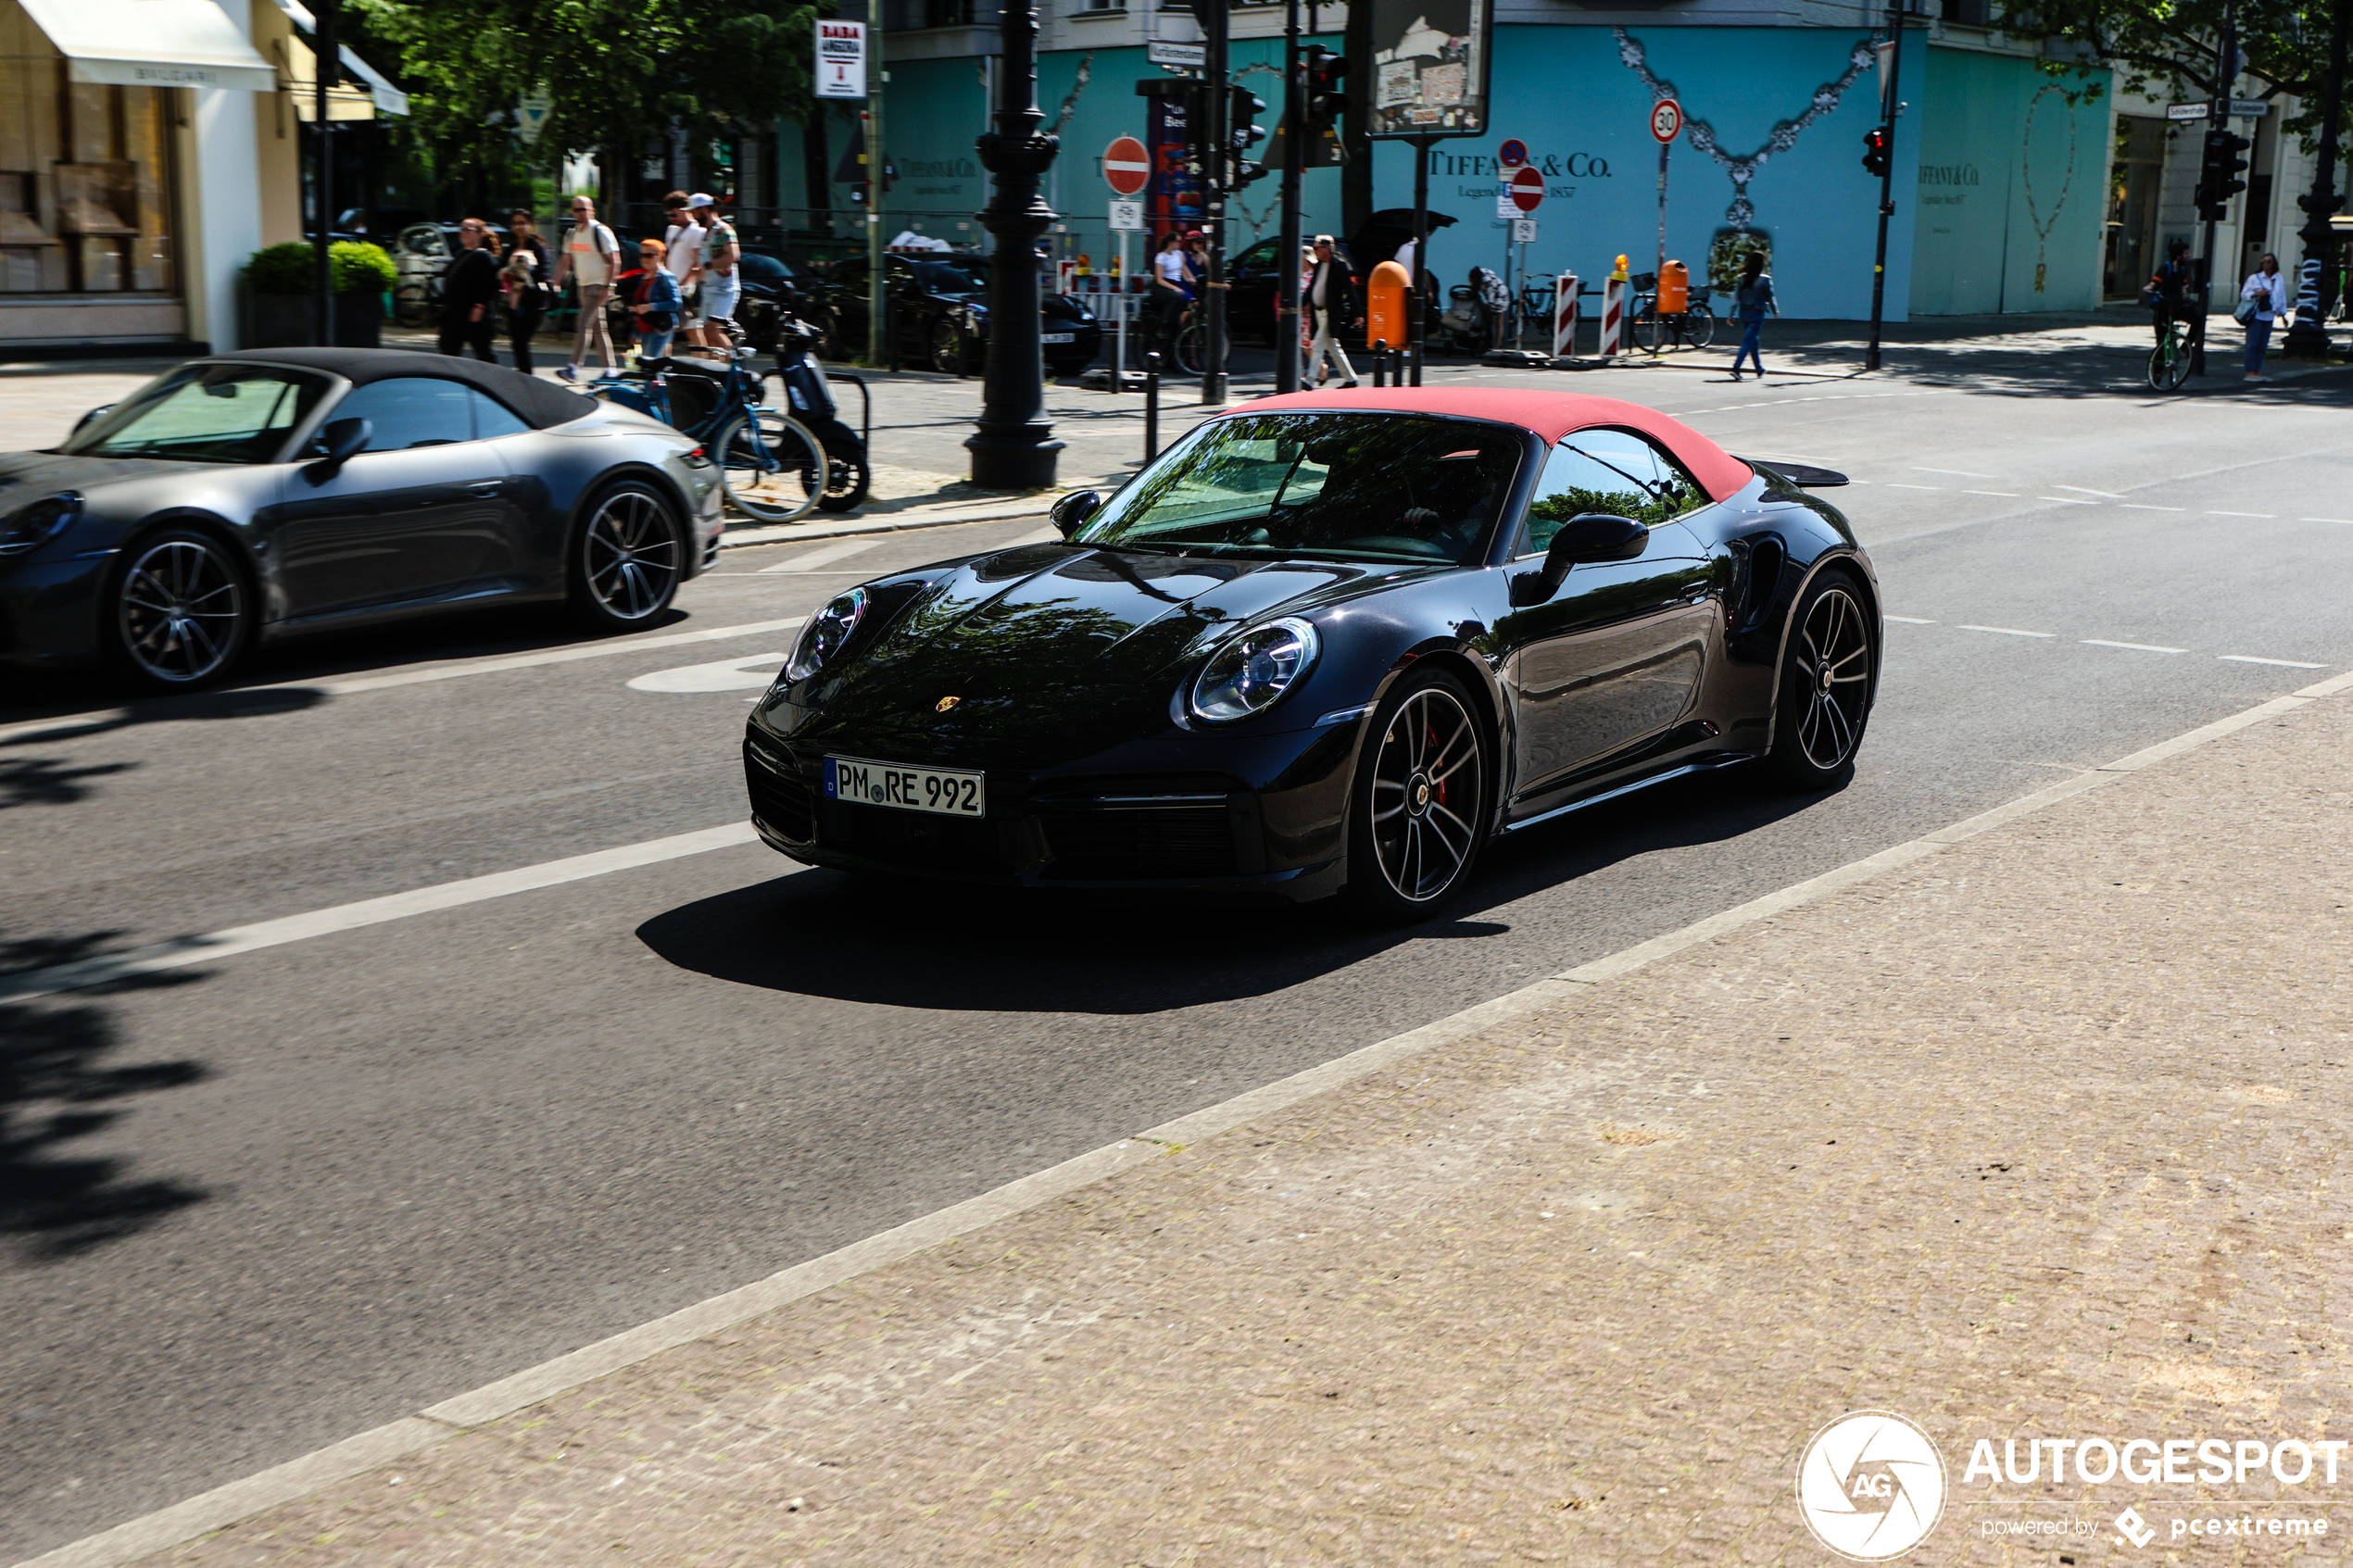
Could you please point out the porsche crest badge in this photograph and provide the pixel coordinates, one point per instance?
(945, 703)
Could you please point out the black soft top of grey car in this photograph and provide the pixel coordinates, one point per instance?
(537, 403)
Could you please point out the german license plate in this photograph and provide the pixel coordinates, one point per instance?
(1058, 337)
(910, 790)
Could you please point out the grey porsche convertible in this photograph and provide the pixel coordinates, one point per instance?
(252, 496)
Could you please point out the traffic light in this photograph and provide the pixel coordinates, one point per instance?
(2218, 179)
(1326, 103)
(1875, 151)
(1245, 134)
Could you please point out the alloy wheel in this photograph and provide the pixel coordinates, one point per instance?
(1831, 659)
(631, 554)
(181, 611)
(1427, 780)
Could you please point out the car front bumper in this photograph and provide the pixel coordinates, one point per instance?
(49, 609)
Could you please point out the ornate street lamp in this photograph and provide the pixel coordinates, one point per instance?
(2308, 337)
(1013, 445)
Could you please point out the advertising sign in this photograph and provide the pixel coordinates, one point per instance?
(1430, 61)
(841, 59)
(1173, 200)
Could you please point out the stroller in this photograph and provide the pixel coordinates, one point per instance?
(812, 405)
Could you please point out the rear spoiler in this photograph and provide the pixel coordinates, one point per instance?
(1805, 475)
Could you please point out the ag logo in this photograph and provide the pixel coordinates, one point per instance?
(1870, 1486)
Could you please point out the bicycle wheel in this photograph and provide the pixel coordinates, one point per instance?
(1648, 330)
(1188, 348)
(1699, 327)
(769, 467)
(2169, 366)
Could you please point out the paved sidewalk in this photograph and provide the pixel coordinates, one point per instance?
(2036, 1137)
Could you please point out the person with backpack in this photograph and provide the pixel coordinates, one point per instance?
(2169, 291)
(1752, 302)
(591, 259)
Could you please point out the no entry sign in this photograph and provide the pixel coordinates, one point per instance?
(1667, 119)
(1126, 167)
(1528, 190)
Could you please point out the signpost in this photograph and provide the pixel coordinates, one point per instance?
(1430, 83)
(1127, 169)
(841, 58)
(1192, 56)
(1667, 123)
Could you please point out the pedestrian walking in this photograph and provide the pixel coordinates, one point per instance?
(1752, 302)
(591, 259)
(722, 284)
(1331, 302)
(2263, 300)
(468, 292)
(2168, 294)
(657, 304)
(682, 255)
(526, 279)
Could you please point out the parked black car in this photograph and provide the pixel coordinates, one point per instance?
(940, 314)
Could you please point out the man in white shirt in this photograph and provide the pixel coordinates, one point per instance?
(1331, 296)
(590, 258)
(2268, 289)
(684, 261)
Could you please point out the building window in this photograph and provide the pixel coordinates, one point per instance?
(85, 176)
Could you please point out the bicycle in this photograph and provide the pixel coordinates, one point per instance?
(770, 467)
(1653, 333)
(2169, 360)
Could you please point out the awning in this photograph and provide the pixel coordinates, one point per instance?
(387, 98)
(152, 44)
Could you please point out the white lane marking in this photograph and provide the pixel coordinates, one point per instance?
(2144, 506)
(367, 911)
(2005, 631)
(532, 660)
(1956, 473)
(2067, 500)
(2346, 522)
(816, 559)
(727, 675)
(2005, 495)
(2283, 663)
(2087, 490)
(1896, 484)
(2137, 647)
(1908, 620)
(2265, 516)
(208, 1511)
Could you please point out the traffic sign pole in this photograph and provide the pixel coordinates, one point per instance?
(1126, 169)
(1667, 123)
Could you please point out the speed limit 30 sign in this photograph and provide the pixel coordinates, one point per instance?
(1667, 119)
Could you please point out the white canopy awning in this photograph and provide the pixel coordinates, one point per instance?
(389, 99)
(152, 44)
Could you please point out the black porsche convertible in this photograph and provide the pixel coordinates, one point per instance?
(261, 495)
(1330, 643)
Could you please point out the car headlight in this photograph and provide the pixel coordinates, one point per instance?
(827, 630)
(1251, 673)
(35, 525)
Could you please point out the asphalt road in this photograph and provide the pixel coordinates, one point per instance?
(255, 1205)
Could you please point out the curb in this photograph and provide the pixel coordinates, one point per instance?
(436, 1423)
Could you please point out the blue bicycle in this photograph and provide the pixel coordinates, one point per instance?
(770, 467)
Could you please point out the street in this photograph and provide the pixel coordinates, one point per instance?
(260, 1202)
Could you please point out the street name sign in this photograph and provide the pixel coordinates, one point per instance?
(1193, 54)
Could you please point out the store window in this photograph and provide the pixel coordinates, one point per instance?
(85, 176)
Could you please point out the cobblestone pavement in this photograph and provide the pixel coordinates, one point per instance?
(2035, 1137)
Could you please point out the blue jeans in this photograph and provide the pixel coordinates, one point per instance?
(653, 346)
(2259, 343)
(1750, 332)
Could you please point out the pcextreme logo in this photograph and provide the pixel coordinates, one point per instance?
(1870, 1486)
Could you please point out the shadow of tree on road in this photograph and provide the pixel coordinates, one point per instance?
(56, 1086)
(47, 781)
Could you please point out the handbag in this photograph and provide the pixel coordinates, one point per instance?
(2243, 312)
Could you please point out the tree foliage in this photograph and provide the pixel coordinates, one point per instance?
(617, 77)
(2169, 48)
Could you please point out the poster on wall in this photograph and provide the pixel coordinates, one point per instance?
(1430, 67)
(1173, 200)
(841, 58)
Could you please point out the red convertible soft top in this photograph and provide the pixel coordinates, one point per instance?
(1550, 414)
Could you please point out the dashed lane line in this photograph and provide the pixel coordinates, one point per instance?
(2283, 663)
(817, 558)
(2005, 494)
(2004, 631)
(1895, 484)
(2087, 490)
(1908, 620)
(2267, 517)
(2067, 500)
(2137, 647)
(2145, 507)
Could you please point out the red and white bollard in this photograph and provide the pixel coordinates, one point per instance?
(1565, 316)
(1065, 277)
(1614, 316)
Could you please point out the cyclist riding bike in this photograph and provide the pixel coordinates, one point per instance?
(2168, 291)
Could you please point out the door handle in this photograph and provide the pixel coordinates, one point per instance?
(486, 488)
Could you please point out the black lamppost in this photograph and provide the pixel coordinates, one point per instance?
(2307, 338)
(1013, 445)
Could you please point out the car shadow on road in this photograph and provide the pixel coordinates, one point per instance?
(56, 1086)
(955, 948)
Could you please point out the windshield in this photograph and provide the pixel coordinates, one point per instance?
(205, 414)
(1334, 486)
(961, 275)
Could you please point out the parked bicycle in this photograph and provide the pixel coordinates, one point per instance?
(1655, 331)
(770, 467)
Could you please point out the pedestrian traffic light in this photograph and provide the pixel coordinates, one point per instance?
(1326, 103)
(2218, 175)
(1246, 133)
(1875, 153)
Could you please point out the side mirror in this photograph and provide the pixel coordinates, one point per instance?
(1595, 536)
(345, 439)
(1070, 514)
(93, 417)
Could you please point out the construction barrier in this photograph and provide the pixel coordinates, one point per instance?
(1613, 313)
(1565, 316)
